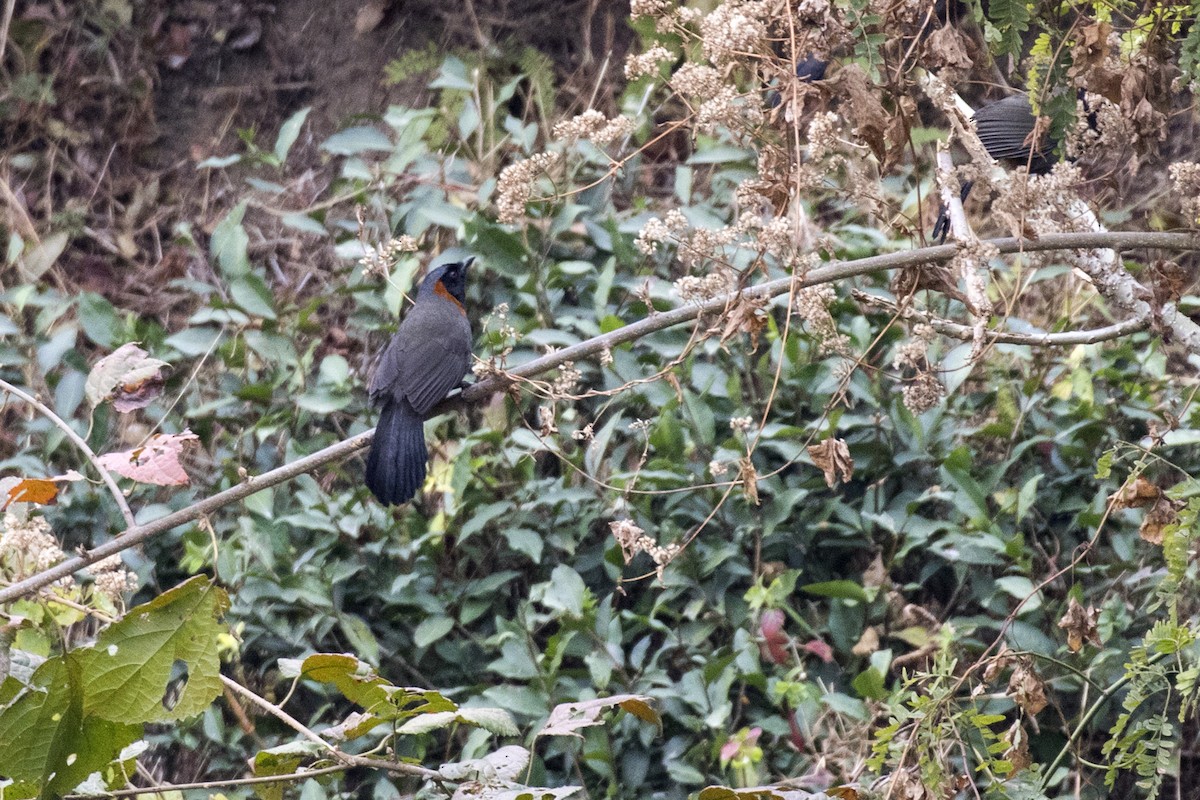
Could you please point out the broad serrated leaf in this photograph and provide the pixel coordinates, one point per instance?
(425, 723)
(46, 737)
(128, 669)
(355, 679)
(493, 720)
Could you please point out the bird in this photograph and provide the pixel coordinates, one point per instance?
(426, 358)
(1004, 128)
(810, 68)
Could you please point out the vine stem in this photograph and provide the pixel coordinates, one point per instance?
(1104, 697)
(655, 322)
(346, 758)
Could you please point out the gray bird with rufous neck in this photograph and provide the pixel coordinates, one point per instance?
(428, 356)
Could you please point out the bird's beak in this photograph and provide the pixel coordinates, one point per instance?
(470, 260)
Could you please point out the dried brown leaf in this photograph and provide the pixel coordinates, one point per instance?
(1137, 494)
(748, 475)
(567, 718)
(832, 457)
(1080, 625)
(1027, 689)
(39, 491)
(746, 316)
(1018, 748)
(128, 376)
(1164, 512)
(947, 49)
(867, 643)
(875, 575)
(862, 105)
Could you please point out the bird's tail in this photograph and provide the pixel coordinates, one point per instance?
(396, 463)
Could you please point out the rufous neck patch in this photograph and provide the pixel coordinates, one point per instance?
(440, 290)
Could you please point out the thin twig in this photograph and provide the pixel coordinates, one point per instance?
(179, 787)
(79, 442)
(956, 330)
(346, 758)
(656, 322)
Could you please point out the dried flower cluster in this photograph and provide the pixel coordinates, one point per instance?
(112, 579)
(594, 127)
(693, 289)
(1186, 178)
(638, 65)
(28, 547)
(726, 109)
(912, 353)
(568, 378)
(922, 392)
(515, 186)
(697, 80)
(812, 306)
(741, 424)
(733, 30)
(633, 540)
(657, 231)
(381, 258)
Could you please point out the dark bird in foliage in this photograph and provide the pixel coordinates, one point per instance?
(808, 69)
(428, 356)
(811, 68)
(1004, 128)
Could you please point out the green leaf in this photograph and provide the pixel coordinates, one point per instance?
(251, 294)
(288, 132)
(425, 723)
(844, 590)
(43, 256)
(128, 668)
(230, 243)
(358, 632)
(431, 629)
(565, 591)
(494, 720)
(98, 319)
(352, 141)
(525, 540)
(46, 737)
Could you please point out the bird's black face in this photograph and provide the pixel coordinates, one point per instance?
(453, 279)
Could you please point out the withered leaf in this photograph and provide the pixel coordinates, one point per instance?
(832, 457)
(947, 49)
(39, 491)
(1164, 512)
(127, 375)
(1136, 494)
(1027, 689)
(1018, 748)
(1080, 625)
(746, 316)
(748, 475)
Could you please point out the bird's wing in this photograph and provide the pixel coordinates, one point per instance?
(432, 351)
(1004, 128)
(430, 368)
